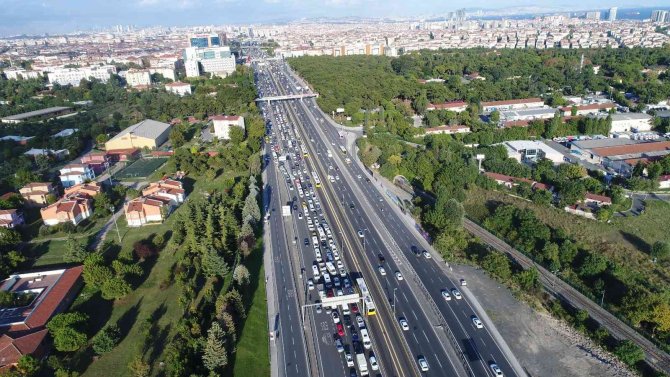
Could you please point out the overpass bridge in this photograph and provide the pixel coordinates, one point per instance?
(287, 97)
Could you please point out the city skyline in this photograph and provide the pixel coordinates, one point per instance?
(37, 17)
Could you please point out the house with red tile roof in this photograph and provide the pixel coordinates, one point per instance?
(147, 209)
(598, 200)
(98, 161)
(166, 188)
(509, 181)
(23, 329)
(10, 218)
(70, 208)
(456, 106)
(91, 189)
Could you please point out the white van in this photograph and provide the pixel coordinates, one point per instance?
(366, 339)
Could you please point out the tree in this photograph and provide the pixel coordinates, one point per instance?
(236, 135)
(28, 366)
(241, 275)
(101, 139)
(660, 250)
(494, 117)
(497, 264)
(213, 264)
(215, 355)
(251, 210)
(74, 250)
(139, 368)
(9, 238)
(592, 265)
(528, 280)
(105, 340)
(103, 205)
(63, 328)
(629, 353)
(115, 288)
(144, 250)
(177, 136)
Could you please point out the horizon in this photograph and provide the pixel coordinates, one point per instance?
(32, 18)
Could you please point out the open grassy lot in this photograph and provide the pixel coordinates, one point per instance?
(141, 168)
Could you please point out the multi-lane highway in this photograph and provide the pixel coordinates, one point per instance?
(421, 313)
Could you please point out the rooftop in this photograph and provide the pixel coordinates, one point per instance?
(148, 128)
(36, 113)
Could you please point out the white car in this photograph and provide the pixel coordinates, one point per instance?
(360, 322)
(310, 284)
(350, 359)
(336, 317)
(446, 295)
(423, 364)
(403, 324)
(360, 234)
(463, 282)
(373, 363)
(300, 215)
(398, 275)
(496, 370)
(426, 254)
(382, 271)
(456, 294)
(478, 324)
(315, 270)
(359, 176)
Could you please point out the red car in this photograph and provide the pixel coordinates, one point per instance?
(354, 308)
(340, 329)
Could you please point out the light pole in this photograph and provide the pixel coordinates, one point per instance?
(118, 234)
(394, 289)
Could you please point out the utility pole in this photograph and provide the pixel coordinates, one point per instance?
(118, 234)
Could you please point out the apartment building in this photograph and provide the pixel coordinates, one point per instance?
(222, 124)
(73, 76)
(74, 174)
(138, 77)
(179, 88)
(37, 193)
(70, 208)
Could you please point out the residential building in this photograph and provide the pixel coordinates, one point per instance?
(166, 188)
(145, 134)
(36, 193)
(179, 88)
(147, 209)
(660, 16)
(23, 330)
(631, 122)
(58, 155)
(138, 77)
(73, 76)
(509, 181)
(532, 151)
(594, 15)
(456, 106)
(192, 68)
(612, 14)
(69, 209)
(597, 200)
(20, 74)
(66, 132)
(447, 130)
(98, 161)
(166, 72)
(10, 218)
(37, 115)
(91, 189)
(515, 104)
(74, 174)
(222, 124)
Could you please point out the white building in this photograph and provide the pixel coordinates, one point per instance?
(215, 60)
(631, 122)
(168, 73)
(20, 74)
(514, 104)
(138, 77)
(532, 151)
(73, 76)
(527, 114)
(222, 124)
(180, 88)
(74, 174)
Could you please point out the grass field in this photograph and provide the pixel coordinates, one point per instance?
(141, 168)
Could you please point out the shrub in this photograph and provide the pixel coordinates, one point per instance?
(144, 250)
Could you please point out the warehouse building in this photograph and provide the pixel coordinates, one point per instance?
(145, 134)
(37, 115)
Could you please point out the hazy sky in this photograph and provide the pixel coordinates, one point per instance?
(54, 16)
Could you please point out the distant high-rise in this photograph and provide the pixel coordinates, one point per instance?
(594, 15)
(204, 40)
(612, 14)
(660, 16)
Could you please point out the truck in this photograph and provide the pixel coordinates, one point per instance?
(282, 157)
(286, 211)
(360, 359)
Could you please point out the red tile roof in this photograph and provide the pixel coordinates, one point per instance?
(47, 307)
(632, 148)
(512, 102)
(12, 347)
(598, 198)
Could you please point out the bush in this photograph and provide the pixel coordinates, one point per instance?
(144, 250)
(106, 339)
(629, 352)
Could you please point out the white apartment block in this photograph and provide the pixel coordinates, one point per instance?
(180, 88)
(168, 73)
(192, 68)
(74, 174)
(73, 76)
(20, 74)
(222, 124)
(138, 77)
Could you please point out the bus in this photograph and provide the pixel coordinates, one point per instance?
(368, 304)
(317, 181)
(304, 150)
(343, 149)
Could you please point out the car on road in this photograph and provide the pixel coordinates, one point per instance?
(463, 282)
(299, 214)
(359, 176)
(338, 345)
(426, 254)
(360, 322)
(423, 364)
(315, 271)
(373, 363)
(382, 271)
(306, 241)
(446, 295)
(349, 359)
(456, 294)
(403, 323)
(496, 370)
(336, 316)
(360, 232)
(352, 372)
(310, 284)
(319, 309)
(398, 276)
(478, 324)
(381, 258)
(340, 329)
(354, 307)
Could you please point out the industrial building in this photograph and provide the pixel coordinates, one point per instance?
(530, 151)
(37, 115)
(145, 134)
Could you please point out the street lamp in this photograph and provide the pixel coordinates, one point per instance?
(394, 297)
(118, 234)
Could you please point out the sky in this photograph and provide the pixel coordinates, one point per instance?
(35, 17)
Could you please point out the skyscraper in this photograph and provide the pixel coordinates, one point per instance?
(660, 16)
(204, 40)
(594, 15)
(612, 14)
